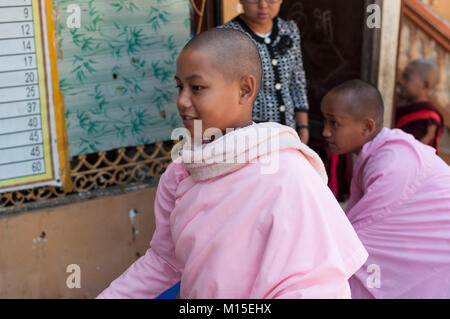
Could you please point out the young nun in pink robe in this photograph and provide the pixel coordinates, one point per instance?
(253, 218)
(399, 199)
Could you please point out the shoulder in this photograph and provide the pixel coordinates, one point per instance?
(288, 26)
(395, 157)
(434, 108)
(290, 29)
(289, 167)
(173, 175)
(232, 24)
(417, 107)
(427, 106)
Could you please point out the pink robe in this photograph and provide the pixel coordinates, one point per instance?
(247, 235)
(400, 209)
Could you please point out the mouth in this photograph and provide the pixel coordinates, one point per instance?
(188, 120)
(187, 117)
(262, 15)
(333, 147)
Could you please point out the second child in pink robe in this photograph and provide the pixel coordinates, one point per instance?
(399, 199)
(400, 209)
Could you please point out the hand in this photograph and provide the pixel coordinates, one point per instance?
(303, 133)
(431, 133)
(301, 120)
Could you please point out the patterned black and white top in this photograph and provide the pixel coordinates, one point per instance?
(283, 91)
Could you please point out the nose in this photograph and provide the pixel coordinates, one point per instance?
(262, 3)
(326, 131)
(183, 100)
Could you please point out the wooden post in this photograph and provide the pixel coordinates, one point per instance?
(390, 30)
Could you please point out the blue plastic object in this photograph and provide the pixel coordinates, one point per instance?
(170, 293)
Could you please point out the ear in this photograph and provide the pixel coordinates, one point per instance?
(247, 89)
(369, 126)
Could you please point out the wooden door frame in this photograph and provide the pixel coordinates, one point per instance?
(380, 54)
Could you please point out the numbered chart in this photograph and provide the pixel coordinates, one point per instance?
(27, 134)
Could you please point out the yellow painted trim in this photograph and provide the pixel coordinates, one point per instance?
(58, 99)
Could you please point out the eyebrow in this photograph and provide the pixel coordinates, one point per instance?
(192, 77)
(335, 117)
(329, 114)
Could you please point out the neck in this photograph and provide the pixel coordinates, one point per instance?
(242, 124)
(256, 27)
(371, 138)
(417, 101)
(420, 98)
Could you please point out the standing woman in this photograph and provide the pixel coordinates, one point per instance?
(282, 98)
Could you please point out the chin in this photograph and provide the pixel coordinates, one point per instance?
(342, 152)
(334, 149)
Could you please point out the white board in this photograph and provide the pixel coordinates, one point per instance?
(28, 148)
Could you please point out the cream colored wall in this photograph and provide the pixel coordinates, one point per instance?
(440, 6)
(229, 9)
(96, 234)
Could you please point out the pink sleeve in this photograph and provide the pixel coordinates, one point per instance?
(311, 248)
(389, 177)
(158, 269)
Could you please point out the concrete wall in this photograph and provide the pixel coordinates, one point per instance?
(98, 235)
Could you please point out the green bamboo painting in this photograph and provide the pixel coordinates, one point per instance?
(116, 71)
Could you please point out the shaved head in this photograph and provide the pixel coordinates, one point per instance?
(232, 53)
(365, 100)
(427, 70)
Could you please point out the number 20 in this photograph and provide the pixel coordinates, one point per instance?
(29, 77)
